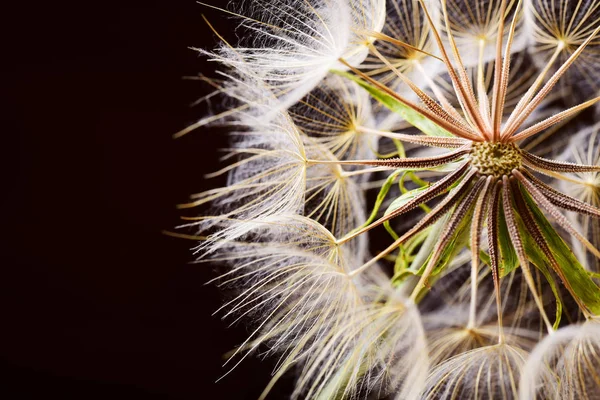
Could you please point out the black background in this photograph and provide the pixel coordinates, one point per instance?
(95, 302)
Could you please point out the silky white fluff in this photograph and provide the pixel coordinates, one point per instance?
(344, 334)
(565, 365)
(294, 44)
(489, 372)
(338, 115)
(555, 30)
(475, 25)
(584, 186)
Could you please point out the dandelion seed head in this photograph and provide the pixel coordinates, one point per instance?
(557, 28)
(335, 115)
(587, 185)
(475, 25)
(295, 230)
(564, 365)
(293, 45)
(489, 372)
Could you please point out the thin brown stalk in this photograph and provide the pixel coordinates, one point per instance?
(563, 200)
(515, 237)
(501, 80)
(472, 110)
(555, 119)
(522, 116)
(433, 86)
(435, 190)
(435, 214)
(482, 95)
(498, 73)
(430, 103)
(476, 229)
(535, 232)
(554, 212)
(432, 141)
(531, 91)
(461, 211)
(411, 163)
(557, 166)
(492, 223)
(456, 130)
(468, 103)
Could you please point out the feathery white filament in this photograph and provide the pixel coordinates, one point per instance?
(565, 365)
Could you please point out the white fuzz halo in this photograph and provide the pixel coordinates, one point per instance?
(277, 170)
(295, 43)
(490, 372)
(585, 186)
(556, 29)
(565, 365)
(475, 24)
(337, 115)
(268, 177)
(344, 334)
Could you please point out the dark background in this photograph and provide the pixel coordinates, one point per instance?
(95, 302)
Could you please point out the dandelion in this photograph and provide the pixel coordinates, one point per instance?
(346, 333)
(451, 305)
(473, 26)
(406, 25)
(294, 44)
(586, 187)
(558, 29)
(490, 372)
(495, 179)
(565, 365)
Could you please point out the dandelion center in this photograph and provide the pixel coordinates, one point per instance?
(351, 116)
(495, 159)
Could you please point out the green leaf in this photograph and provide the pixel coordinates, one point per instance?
(538, 258)
(457, 242)
(405, 258)
(508, 259)
(485, 258)
(429, 239)
(391, 230)
(380, 198)
(577, 277)
(397, 203)
(411, 116)
(557, 297)
(405, 198)
(400, 276)
(433, 234)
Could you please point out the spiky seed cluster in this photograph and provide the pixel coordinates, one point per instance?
(294, 228)
(495, 159)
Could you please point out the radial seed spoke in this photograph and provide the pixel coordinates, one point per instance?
(557, 166)
(408, 163)
(515, 237)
